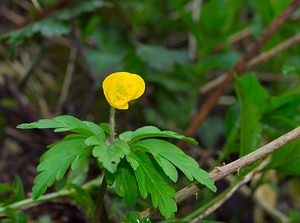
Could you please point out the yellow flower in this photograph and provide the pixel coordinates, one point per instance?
(122, 87)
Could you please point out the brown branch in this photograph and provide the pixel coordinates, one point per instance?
(274, 51)
(44, 13)
(20, 21)
(219, 173)
(256, 60)
(10, 15)
(236, 37)
(232, 190)
(212, 100)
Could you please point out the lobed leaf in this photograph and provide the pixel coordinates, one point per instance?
(162, 150)
(110, 155)
(65, 123)
(150, 180)
(55, 162)
(151, 132)
(126, 185)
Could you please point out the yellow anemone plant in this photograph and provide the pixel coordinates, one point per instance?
(122, 87)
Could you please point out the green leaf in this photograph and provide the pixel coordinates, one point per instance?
(95, 140)
(294, 216)
(287, 159)
(162, 58)
(282, 114)
(133, 163)
(253, 100)
(55, 24)
(232, 131)
(150, 180)
(55, 162)
(151, 132)
(167, 151)
(79, 168)
(5, 188)
(76, 9)
(15, 216)
(110, 155)
(125, 183)
(134, 217)
(83, 198)
(17, 192)
(105, 127)
(284, 105)
(65, 123)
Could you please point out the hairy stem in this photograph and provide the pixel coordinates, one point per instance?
(112, 124)
(100, 199)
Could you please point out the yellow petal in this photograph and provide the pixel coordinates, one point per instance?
(122, 87)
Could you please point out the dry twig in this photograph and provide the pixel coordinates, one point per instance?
(256, 60)
(220, 172)
(212, 100)
(232, 190)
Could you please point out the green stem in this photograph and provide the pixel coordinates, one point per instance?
(51, 196)
(100, 198)
(112, 124)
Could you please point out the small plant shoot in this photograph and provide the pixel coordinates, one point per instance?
(138, 163)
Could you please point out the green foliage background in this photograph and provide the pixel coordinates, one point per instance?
(151, 38)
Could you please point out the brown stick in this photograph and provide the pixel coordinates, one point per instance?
(212, 100)
(232, 191)
(274, 51)
(220, 172)
(256, 60)
(44, 13)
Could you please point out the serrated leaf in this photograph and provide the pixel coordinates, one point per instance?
(287, 159)
(65, 123)
(110, 155)
(151, 181)
(168, 167)
(152, 132)
(55, 162)
(165, 150)
(125, 183)
(133, 163)
(253, 100)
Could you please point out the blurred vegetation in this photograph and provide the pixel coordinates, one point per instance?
(55, 54)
